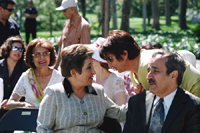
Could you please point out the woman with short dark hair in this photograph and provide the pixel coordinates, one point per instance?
(39, 56)
(76, 105)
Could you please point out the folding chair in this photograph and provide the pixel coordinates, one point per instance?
(23, 119)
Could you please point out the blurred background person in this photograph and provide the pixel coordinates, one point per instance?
(77, 104)
(76, 29)
(8, 27)
(30, 13)
(11, 66)
(39, 56)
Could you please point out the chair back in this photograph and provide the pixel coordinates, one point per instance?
(1, 90)
(23, 119)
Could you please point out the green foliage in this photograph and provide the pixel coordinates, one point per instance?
(196, 31)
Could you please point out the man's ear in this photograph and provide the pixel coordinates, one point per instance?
(125, 55)
(174, 75)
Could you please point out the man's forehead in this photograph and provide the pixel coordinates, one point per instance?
(157, 60)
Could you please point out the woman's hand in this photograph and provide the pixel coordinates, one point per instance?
(3, 104)
(28, 105)
(138, 89)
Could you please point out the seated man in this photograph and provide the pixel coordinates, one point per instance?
(166, 107)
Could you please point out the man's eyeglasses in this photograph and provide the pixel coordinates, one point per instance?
(14, 48)
(37, 55)
(9, 9)
(109, 59)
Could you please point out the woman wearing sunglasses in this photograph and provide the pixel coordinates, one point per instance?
(39, 56)
(11, 66)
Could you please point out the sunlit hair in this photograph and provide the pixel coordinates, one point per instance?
(174, 62)
(32, 46)
(7, 46)
(118, 41)
(73, 57)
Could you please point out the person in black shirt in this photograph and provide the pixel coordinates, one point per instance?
(30, 24)
(8, 27)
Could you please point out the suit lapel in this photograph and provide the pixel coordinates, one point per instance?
(175, 109)
(149, 103)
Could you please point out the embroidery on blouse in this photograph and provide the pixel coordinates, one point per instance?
(35, 85)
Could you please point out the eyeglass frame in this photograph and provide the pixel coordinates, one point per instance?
(14, 48)
(41, 54)
(109, 59)
(10, 10)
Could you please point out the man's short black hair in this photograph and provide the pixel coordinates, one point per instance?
(4, 3)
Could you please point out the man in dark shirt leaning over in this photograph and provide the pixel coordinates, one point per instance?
(8, 27)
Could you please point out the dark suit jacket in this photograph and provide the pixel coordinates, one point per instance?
(183, 115)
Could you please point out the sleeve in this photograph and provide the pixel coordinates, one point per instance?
(114, 111)
(20, 88)
(119, 86)
(47, 113)
(191, 80)
(85, 36)
(127, 125)
(192, 120)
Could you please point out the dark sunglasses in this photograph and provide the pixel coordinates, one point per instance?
(14, 48)
(109, 59)
(10, 10)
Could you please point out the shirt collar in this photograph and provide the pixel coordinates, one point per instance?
(167, 99)
(69, 90)
(76, 23)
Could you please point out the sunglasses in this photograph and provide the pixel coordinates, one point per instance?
(109, 59)
(10, 10)
(37, 55)
(14, 48)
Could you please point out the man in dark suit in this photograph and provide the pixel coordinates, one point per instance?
(179, 112)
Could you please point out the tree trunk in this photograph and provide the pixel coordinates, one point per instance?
(125, 15)
(155, 13)
(182, 14)
(105, 4)
(144, 14)
(167, 13)
(83, 8)
(114, 14)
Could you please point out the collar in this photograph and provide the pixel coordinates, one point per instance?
(69, 90)
(167, 99)
(77, 22)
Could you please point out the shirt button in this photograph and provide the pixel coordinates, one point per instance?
(82, 102)
(85, 113)
(81, 132)
(8, 86)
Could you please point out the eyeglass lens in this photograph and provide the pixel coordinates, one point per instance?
(109, 59)
(14, 48)
(40, 54)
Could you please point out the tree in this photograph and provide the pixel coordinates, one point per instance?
(105, 13)
(155, 12)
(167, 13)
(144, 14)
(83, 8)
(125, 15)
(182, 14)
(114, 14)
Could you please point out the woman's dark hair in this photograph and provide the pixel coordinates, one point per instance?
(7, 46)
(43, 43)
(73, 57)
(118, 41)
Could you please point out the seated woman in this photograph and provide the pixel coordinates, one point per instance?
(40, 55)
(76, 105)
(11, 67)
(113, 84)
